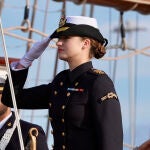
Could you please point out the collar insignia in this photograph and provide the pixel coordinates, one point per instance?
(98, 71)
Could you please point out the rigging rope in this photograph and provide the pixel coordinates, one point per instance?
(12, 89)
(128, 145)
(122, 31)
(26, 16)
(21, 27)
(142, 51)
(23, 38)
(136, 52)
(39, 62)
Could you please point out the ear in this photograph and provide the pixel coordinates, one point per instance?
(86, 43)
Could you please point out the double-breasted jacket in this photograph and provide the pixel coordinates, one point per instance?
(84, 108)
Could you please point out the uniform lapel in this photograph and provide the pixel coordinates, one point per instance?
(7, 125)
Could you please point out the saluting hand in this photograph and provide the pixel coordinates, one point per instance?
(36, 50)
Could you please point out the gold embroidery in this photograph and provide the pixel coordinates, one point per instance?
(109, 96)
(98, 71)
(62, 29)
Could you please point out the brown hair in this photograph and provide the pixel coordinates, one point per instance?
(97, 49)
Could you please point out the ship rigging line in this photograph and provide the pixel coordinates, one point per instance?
(141, 51)
(11, 88)
(136, 52)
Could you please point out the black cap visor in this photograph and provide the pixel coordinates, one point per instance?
(79, 30)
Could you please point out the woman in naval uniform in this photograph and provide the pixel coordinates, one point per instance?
(84, 108)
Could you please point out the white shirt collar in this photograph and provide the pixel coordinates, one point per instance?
(4, 120)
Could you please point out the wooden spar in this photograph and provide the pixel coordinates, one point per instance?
(138, 1)
(10, 59)
(141, 6)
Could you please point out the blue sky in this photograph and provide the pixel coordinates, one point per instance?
(12, 15)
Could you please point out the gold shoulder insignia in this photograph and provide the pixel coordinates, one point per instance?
(109, 96)
(98, 71)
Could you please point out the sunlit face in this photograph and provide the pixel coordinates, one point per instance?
(70, 48)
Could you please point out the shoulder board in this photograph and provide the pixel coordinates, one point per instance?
(96, 71)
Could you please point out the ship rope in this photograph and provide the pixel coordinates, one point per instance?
(11, 87)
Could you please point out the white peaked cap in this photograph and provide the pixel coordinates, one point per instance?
(79, 26)
(82, 20)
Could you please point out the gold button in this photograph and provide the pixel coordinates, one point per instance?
(50, 118)
(61, 83)
(55, 92)
(50, 104)
(62, 120)
(68, 94)
(76, 83)
(63, 107)
(63, 147)
(9, 124)
(63, 133)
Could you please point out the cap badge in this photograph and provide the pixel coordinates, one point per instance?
(62, 21)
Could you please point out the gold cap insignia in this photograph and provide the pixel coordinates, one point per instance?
(62, 29)
(62, 21)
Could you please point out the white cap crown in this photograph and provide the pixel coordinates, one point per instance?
(82, 20)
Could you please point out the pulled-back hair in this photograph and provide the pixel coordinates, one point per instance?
(97, 49)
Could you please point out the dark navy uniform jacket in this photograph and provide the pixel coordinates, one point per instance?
(84, 109)
(14, 143)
